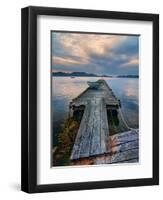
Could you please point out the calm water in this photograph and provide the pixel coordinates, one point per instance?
(64, 89)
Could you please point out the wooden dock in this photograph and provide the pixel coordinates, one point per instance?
(93, 135)
(124, 148)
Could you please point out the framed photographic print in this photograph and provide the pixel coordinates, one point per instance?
(90, 99)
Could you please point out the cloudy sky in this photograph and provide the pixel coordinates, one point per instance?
(95, 53)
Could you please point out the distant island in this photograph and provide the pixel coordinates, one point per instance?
(127, 76)
(85, 74)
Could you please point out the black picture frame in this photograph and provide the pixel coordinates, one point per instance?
(29, 98)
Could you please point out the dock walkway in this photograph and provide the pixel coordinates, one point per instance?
(93, 135)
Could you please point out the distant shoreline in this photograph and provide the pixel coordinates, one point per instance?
(97, 76)
(84, 74)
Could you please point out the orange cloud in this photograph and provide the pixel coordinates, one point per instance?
(82, 46)
(67, 61)
(58, 70)
(132, 62)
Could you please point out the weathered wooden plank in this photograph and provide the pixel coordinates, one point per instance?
(75, 154)
(130, 156)
(123, 156)
(87, 135)
(125, 146)
(91, 138)
(119, 153)
(123, 137)
(104, 129)
(96, 123)
(136, 160)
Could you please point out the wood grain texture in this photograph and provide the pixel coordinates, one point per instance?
(126, 152)
(93, 135)
(93, 144)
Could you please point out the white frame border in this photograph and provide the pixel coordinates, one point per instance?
(48, 175)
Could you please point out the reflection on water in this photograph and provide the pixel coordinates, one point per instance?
(64, 89)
